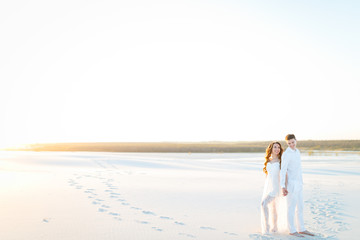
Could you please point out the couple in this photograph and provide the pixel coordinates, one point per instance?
(283, 177)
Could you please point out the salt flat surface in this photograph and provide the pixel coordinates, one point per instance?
(87, 195)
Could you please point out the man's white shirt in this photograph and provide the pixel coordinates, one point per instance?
(291, 164)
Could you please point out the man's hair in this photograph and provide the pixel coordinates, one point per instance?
(290, 136)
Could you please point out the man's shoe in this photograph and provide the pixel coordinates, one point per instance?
(296, 234)
(307, 233)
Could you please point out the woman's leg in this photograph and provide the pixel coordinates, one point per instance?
(265, 213)
(274, 214)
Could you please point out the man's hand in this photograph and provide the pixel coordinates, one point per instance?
(285, 191)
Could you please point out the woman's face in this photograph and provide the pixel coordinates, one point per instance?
(276, 149)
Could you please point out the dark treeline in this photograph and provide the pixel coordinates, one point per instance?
(200, 147)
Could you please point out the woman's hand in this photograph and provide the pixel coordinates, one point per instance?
(284, 191)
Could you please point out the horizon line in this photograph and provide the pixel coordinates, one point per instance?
(190, 141)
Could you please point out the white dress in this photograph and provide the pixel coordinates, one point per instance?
(272, 182)
(270, 197)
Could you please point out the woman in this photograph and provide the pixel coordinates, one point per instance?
(271, 194)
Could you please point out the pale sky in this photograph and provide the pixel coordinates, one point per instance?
(140, 70)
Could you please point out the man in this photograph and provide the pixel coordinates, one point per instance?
(293, 189)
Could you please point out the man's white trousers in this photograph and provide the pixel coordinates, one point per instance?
(295, 204)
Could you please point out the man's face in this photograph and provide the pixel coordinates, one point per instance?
(291, 143)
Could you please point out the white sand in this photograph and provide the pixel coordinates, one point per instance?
(82, 195)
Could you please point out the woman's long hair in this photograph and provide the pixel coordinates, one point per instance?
(268, 154)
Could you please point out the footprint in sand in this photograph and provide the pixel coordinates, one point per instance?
(135, 208)
(179, 223)
(148, 213)
(114, 214)
(207, 228)
(327, 213)
(115, 194)
(92, 195)
(142, 222)
(187, 235)
(157, 229)
(259, 236)
(72, 182)
(110, 190)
